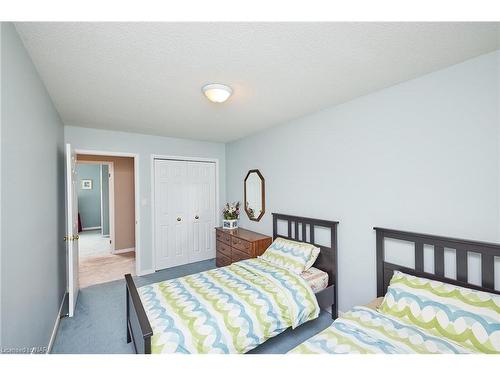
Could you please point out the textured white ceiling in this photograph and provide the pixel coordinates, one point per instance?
(147, 77)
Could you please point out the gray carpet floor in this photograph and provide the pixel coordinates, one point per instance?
(99, 322)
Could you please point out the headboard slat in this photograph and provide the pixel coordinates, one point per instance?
(488, 271)
(419, 256)
(488, 251)
(439, 260)
(462, 269)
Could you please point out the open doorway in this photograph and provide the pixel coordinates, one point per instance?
(106, 216)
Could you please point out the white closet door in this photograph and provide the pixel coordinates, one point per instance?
(171, 214)
(201, 207)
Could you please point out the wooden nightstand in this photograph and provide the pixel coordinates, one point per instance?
(238, 244)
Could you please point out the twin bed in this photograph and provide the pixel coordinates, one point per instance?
(419, 311)
(234, 309)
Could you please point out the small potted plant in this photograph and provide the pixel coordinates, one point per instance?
(231, 213)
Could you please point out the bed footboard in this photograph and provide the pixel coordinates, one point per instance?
(139, 329)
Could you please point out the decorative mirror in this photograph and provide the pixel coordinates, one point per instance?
(255, 204)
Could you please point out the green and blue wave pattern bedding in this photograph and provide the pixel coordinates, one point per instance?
(366, 331)
(462, 315)
(226, 310)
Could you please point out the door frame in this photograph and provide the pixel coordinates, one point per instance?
(136, 197)
(111, 194)
(180, 158)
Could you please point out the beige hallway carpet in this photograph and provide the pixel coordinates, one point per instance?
(101, 269)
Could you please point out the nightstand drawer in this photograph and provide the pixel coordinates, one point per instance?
(237, 255)
(242, 245)
(223, 248)
(222, 261)
(224, 237)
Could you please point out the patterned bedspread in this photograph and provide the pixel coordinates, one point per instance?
(363, 330)
(226, 310)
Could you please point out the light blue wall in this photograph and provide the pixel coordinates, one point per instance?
(32, 201)
(145, 146)
(105, 199)
(89, 201)
(421, 156)
(1, 278)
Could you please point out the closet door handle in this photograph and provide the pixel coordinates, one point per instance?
(179, 219)
(196, 217)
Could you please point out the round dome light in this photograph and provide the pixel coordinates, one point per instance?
(216, 92)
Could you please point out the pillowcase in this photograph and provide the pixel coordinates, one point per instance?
(314, 255)
(317, 279)
(292, 255)
(468, 317)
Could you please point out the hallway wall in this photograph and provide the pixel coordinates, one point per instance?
(89, 200)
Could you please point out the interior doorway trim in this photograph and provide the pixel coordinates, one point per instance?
(138, 253)
(111, 203)
(180, 158)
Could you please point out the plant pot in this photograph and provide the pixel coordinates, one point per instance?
(230, 224)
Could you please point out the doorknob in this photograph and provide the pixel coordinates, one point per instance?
(196, 217)
(179, 219)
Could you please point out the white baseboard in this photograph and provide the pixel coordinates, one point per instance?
(120, 251)
(146, 272)
(56, 325)
(90, 228)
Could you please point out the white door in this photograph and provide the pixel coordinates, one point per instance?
(201, 203)
(171, 214)
(184, 212)
(71, 228)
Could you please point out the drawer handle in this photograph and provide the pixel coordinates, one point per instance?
(179, 219)
(196, 217)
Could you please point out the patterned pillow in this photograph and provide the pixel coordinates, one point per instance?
(468, 317)
(292, 255)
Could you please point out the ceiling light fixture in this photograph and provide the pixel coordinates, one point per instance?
(216, 92)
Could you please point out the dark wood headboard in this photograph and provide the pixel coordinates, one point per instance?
(488, 251)
(327, 259)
